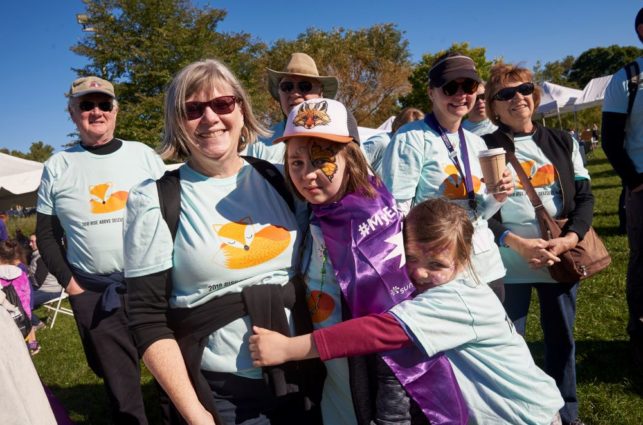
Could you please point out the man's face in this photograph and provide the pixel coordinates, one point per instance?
(94, 120)
(32, 242)
(294, 90)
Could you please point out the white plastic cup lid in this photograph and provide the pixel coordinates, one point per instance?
(491, 152)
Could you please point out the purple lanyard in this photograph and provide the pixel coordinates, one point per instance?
(432, 122)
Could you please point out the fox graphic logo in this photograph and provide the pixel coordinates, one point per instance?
(539, 177)
(453, 187)
(244, 244)
(310, 116)
(103, 200)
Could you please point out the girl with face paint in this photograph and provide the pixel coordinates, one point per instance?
(452, 313)
(356, 268)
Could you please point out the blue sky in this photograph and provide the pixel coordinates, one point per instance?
(35, 38)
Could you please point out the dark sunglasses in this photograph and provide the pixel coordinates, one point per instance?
(508, 93)
(87, 105)
(468, 86)
(480, 96)
(221, 105)
(302, 86)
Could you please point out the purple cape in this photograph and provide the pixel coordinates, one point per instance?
(364, 242)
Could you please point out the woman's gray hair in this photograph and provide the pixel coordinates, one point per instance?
(205, 75)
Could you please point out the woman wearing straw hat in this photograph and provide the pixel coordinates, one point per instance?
(298, 82)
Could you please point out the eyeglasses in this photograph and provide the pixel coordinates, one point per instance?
(303, 87)
(479, 97)
(87, 105)
(221, 105)
(508, 93)
(468, 86)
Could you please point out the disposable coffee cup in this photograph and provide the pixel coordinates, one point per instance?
(492, 162)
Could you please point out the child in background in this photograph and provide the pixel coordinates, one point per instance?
(357, 262)
(12, 274)
(453, 314)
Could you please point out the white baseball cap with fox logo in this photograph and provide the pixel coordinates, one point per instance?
(323, 119)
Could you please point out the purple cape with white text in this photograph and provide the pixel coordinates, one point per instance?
(364, 242)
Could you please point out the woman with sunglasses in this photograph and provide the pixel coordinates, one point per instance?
(435, 157)
(299, 81)
(227, 255)
(553, 163)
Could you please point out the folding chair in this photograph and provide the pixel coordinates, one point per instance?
(55, 305)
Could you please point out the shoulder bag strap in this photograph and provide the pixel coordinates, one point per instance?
(269, 172)
(632, 70)
(169, 190)
(526, 183)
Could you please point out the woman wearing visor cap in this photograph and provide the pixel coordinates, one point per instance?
(435, 157)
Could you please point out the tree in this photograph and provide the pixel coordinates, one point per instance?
(371, 64)
(38, 151)
(139, 45)
(600, 61)
(556, 72)
(419, 78)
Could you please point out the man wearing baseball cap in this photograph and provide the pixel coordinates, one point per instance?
(299, 81)
(82, 199)
(622, 140)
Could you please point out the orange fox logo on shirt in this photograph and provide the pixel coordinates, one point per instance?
(244, 246)
(453, 187)
(543, 176)
(103, 200)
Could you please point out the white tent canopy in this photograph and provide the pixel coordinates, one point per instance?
(593, 93)
(556, 99)
(19, 181)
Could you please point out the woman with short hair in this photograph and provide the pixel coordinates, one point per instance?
(554, 166)
(227, 256)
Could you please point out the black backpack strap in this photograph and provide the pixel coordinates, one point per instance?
(269, 172)
(169, 190)
(632, 70)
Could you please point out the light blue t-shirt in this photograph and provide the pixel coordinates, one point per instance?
(616, 100)
(88, 193)
(374, 148)
(518, 214)
(325, 304)
(416, 165)
(479, 128)
(233, 232)
(499, 380)
(264, 149)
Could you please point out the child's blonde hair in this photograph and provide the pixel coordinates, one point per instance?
(356, 172)
(443, 224)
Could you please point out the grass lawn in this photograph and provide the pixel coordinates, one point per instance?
(610, 390)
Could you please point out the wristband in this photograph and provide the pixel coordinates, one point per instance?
(501, 239)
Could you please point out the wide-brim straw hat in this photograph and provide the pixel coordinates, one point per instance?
(302, 65)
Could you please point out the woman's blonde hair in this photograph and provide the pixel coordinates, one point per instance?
(443, 224)
(205, 75)
(356, 172)
(501, 74)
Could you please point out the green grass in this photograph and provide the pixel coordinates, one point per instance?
(609, 389)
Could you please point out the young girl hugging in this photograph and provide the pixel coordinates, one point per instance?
(11, 274)
(356, 268)
(454, 314)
